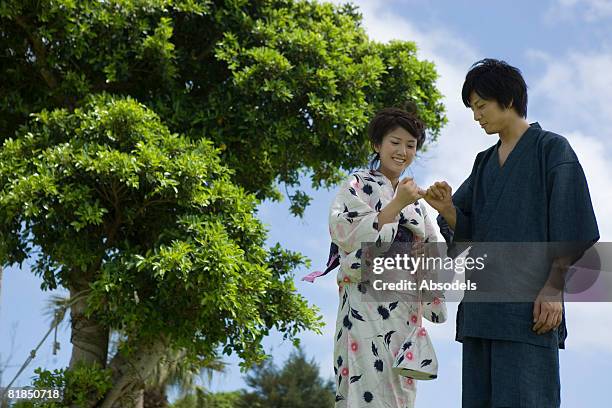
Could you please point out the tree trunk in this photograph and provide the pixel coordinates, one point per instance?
(89, 338)
(0, 290)
(130, 373)
(155, 397)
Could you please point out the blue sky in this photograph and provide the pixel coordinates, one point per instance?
(563, 49)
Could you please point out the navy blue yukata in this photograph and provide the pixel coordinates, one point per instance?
(540, 194)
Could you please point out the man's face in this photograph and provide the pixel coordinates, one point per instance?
(489, 114)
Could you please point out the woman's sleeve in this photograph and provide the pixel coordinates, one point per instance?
(434, 304)
(352, 220)
(431, 230)
(435, 310)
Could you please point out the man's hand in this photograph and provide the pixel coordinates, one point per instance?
(547, 310)
(440, 196)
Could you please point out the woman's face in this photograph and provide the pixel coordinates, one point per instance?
(397, 151)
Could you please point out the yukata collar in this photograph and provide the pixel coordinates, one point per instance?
(384, 178)
(381, 176)
(532, 126)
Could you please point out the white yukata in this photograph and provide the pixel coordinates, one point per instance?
(369, 335)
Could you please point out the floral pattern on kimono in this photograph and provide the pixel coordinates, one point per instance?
(370, 335)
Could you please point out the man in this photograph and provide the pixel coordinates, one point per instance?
(529, 187)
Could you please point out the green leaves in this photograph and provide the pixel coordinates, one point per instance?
(152, 222)
(159, 47)
(287, 86)
(79, 386)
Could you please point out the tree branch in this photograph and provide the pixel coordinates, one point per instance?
(40, 52)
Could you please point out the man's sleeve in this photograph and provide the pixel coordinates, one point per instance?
(570, 212)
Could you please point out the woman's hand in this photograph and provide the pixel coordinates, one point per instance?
(408, 192)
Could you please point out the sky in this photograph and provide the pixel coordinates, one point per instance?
(563, 49)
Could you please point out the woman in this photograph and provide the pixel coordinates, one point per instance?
(375, 205)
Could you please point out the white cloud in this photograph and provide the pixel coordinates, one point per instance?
(588, 326)
(577, 89)
(588, 10)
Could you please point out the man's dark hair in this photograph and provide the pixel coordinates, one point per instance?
(389, 119)
(493, 79)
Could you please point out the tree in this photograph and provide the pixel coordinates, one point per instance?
(158, 126)
(203, 399)
(296, 385)
(175, 371)
(149, 234)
